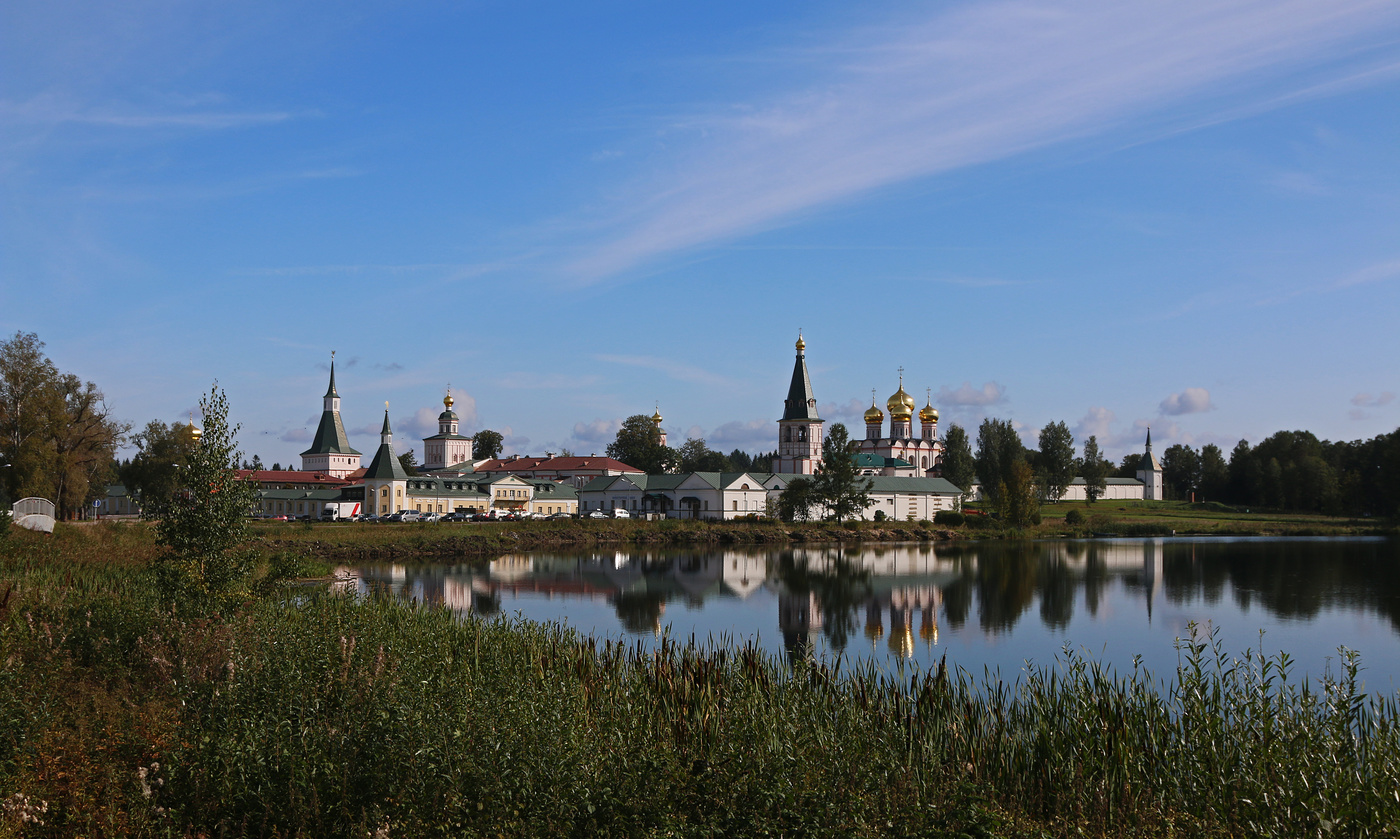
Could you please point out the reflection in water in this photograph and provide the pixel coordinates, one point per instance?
(826, 599)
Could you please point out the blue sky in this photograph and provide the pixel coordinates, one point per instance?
(1181, 215)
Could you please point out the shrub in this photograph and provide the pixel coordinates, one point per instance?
(880, 515)
(1074, 518)
(951, 518)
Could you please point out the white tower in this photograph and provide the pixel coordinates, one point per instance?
(800, 429)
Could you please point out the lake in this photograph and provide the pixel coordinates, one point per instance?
(994, 605)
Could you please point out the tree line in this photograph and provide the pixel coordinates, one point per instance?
(638, 443)
(57, 436)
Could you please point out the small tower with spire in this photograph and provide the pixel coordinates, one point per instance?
(331, 452)
(800, 429)
(1150, 473)
(447, 447)
(385, 478)
(928, 418)
(656, 418)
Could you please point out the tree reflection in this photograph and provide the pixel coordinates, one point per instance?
(840, 586)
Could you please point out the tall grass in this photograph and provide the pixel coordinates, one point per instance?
(337, 716)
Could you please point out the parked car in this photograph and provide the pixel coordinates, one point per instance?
(456, 517)
(620, 513)
(366, 517)
(558, 516)
(431, 517)
(597, 514)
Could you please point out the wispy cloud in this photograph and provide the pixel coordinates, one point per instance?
(960, 87)
(1192, 400)
(47, 110)
(679, 371)
(1379, 272)
(990, 393)
(1366, 400)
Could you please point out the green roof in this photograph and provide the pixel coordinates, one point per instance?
(330, 436)
(385, 466)
(936, 486)
(865, 460)
(800, 403)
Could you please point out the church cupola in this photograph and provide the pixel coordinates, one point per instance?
(656, 418)
(928, 418)
(447, 420)
(901, 406)
(874, 419)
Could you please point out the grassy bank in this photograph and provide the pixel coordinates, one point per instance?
(335, 717)
(388, 542)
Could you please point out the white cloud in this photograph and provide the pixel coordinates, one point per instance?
(1192, 400)
(851, 412)
(965, 84)
(1096, 423)
(1366, 400)
(990, 393)
(760, 435)
(296, 435)
(597, 431)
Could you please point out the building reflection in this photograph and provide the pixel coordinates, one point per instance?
(891, 593)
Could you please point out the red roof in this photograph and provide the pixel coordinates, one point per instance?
(291, 476)
(556, 464)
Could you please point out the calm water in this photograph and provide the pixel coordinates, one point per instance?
(996, 605)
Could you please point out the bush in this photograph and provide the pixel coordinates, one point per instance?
(1074, 518)
(880, 515)
(951, 518)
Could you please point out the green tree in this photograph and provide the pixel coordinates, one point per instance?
(797, 499)
(1181, 470)
(1055, 468)
(409, 461)
(205, 566)
(839, 485)
(487, 444)
(1215, 474)
(56, 434)
(999, 449)
(695, 456)
(1020, 503)
(154, 474)
(1096, 469)
(638, 443)
(958, 465)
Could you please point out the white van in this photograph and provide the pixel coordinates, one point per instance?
(620, 513)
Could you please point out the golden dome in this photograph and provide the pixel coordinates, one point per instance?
(873, 414)
(192, 431)
(901, 404)
(656, 417)
(447, 401)
(928, 413)
(801, 344)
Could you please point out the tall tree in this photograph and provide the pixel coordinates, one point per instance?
(57, 437)
(409, 461)
(839, 485)
(1055, 467)
(797, 499)
(487, 444)
(1215, 474)
(1181, 470)
(638, 443)
(695, 456)
(999, 449)
(1096, 469)
(154, 475)
(204, 566)
(958, 465)
(1019, 499)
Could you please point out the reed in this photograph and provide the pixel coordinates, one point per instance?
(324, 715)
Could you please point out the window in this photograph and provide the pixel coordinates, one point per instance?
(736, 504)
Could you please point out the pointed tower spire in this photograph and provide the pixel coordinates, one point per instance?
(1149, 439)
(330, 391)
(800, 403)
(386, 434)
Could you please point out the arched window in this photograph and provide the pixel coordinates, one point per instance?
(787, 435)
(801, 434)
(924, 461)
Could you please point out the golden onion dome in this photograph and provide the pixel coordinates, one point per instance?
(447, 401)
(901, 404)
(801, 344)
(192, 431)
(656, 417)
(873, 414)
(928, 413)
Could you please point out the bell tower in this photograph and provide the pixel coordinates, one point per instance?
(800, 429)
